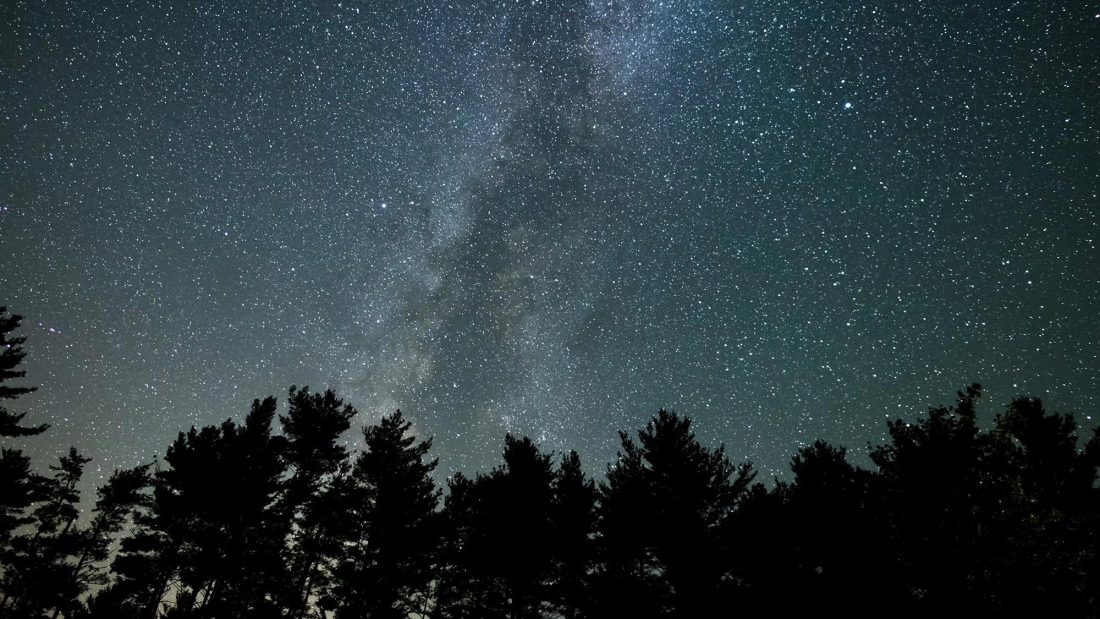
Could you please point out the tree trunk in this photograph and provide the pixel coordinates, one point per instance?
(212, 591)
(161, 584)
(306, 588)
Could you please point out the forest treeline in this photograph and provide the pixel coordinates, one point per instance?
(270, 516)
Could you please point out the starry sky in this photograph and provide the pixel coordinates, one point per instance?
(785, 219)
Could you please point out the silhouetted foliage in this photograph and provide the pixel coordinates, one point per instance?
(502, 561)
(18, 490)
(148, 557)
(463, 584)
(37, 513)
(314, 493)
(1047, 548)
(838, 558)
(209, 527)
(240, 521)
(573, 525)
(936, 498)
(392, 536)
(11, 355)
(36, 577)
(762, 558)
(19, 485)
(117, 500)
(662, 513)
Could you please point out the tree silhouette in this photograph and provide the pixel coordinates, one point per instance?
(11, 355)
(37, 577)
(258, 528)
(989, 522)
(313, 493)
(934, 503)
(501, 560)
(209, 527)
(1044, 449)
(19, 485)
(149, 557)
(838, 560)
(573, 524)
(117, 499)
(199, 479)
(628, 578)
(465, 586)
(229, 477)
(520, 497)
(761, 552)
(238, 521)
(59, 561)
(19, 488)
(1047, 556)
(662, 511)
(393, 536)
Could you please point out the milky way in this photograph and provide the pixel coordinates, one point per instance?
(784, 219)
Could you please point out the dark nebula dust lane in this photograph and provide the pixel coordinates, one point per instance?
(787, 220)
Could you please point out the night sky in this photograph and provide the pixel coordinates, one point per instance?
(786, 220)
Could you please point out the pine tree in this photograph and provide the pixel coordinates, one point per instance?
(145, 559)
(465, 586)
(19, 485)
(11, 355)
(761, 554)
(837, 558)
(117, 499)
(230, 476)
(19, 488)
(499, 556)
(313, 493)
(626, 582)
(259, 526)
(573, 523)
(662, 510)
(520, 505)
(38, 578)
(211, 528)
(388, 567)
(199, 480)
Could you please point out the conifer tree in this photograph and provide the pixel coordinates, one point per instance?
(499, 555)
(313, 493)
(259, 526)
(464, 587)
(19, 485)
(761, 554)
(210, 528)
(663, 507)
(229, 476)
(837, 554)
(19, 488)
(11, 355)
(573, 524)
(38, 578)
(117, 499)
(520, 499)
(148, 558)
(394, 537)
